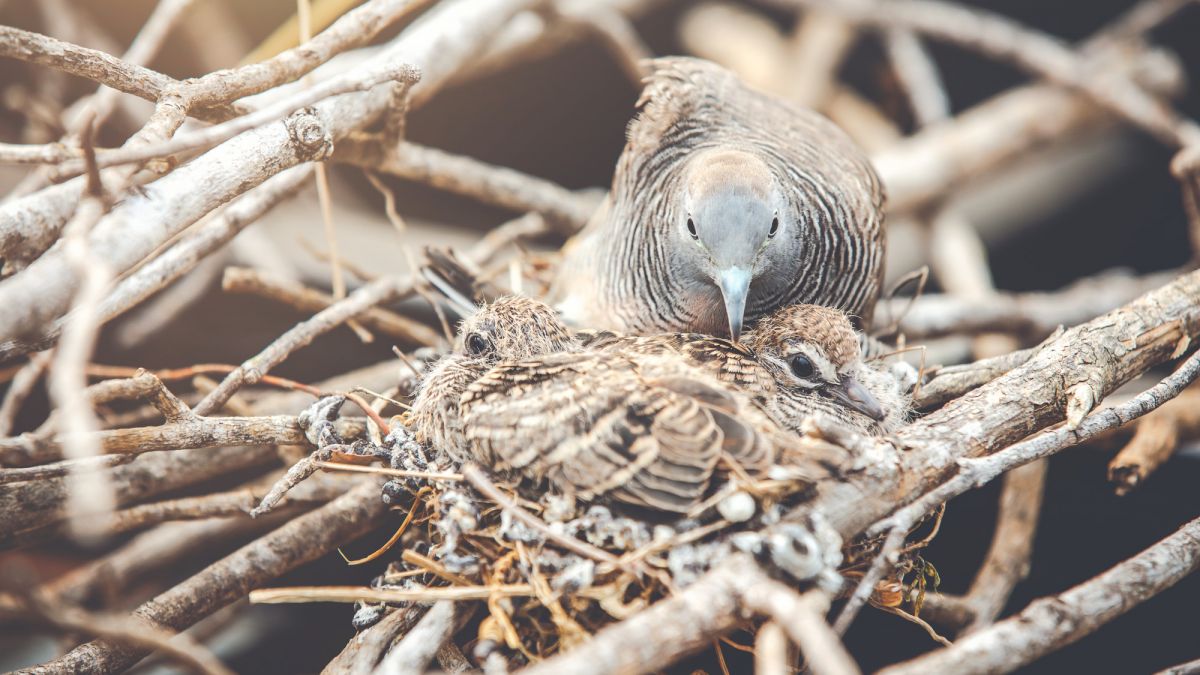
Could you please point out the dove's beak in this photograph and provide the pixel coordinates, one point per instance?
(735, 286)
(853, 395)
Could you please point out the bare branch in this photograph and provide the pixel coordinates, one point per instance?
(89, 63)
(1157, 437)
(297, 542)
(1053, 622)
(1007, 561)
(243, 280)
(490, 184)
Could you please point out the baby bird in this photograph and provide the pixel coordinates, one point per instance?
(513, 327)
(726, 205)
(814, 356)
(800, 361)
(520, 394)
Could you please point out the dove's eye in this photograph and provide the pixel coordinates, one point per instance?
(477, 345)
(802, 367)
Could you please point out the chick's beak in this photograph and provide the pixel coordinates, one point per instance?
(853, 395)
(735, 286)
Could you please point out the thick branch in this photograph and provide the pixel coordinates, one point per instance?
(1068, 375)
(439, 43)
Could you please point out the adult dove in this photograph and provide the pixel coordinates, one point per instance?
(726, 204)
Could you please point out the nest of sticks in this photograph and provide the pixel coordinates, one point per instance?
(133, 475)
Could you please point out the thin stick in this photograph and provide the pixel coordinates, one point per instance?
(479, 480)
(384, 471)
(1054, 622)
(305, 594)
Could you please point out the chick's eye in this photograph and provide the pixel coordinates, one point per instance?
(802, 367)
(691, 225)
(477, 344)
(774, 226)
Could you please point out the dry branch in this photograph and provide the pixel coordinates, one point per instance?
(1030, 50)
(83, 62)
(1051, 623)
(1157, 437)
(439, 43)
(1081, 366)
(490, 184)
(40, 502)
(659, 635)
(299, 541)
(132, 631)
(1007, 560)
(300, 335)
(1036, 314)
(243, 280)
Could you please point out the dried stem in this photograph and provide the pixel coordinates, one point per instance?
(243, 280)
(1157, 437)
(299, 541)
(1053, 622)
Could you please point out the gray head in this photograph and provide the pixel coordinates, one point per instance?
(735, 225)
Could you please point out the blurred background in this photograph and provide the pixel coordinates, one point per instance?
(1074, 208)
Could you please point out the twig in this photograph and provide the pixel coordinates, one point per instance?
(295, 543)
(490, 184)
(771, 650)
(83, 62)
(294, 294)
(1007, 560)
(301, 335)
(803, 617)
(1156, 438)
(348, 594)
(975, 472)
(480, 481)
(202, 432)
(659, 635)
(529, 226)
(616, 33)
(86, 487)
(181, 258)
(1033, 51)
(421, 644)
(950, 382)
(918, 75)
(364, 651)
(20, 388)
(137, 226)
(1035, 313)
(1189, 668)
(883, 562)
(158, 548)
(32, 504)
(1053, 622)
(129, 631)
(384, 471)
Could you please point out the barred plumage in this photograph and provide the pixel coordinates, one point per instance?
(762, 366)
(725, 197)
(642, 420)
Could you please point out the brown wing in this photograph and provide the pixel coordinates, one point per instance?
(592, 425)
(435, 416)
(728, 362)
